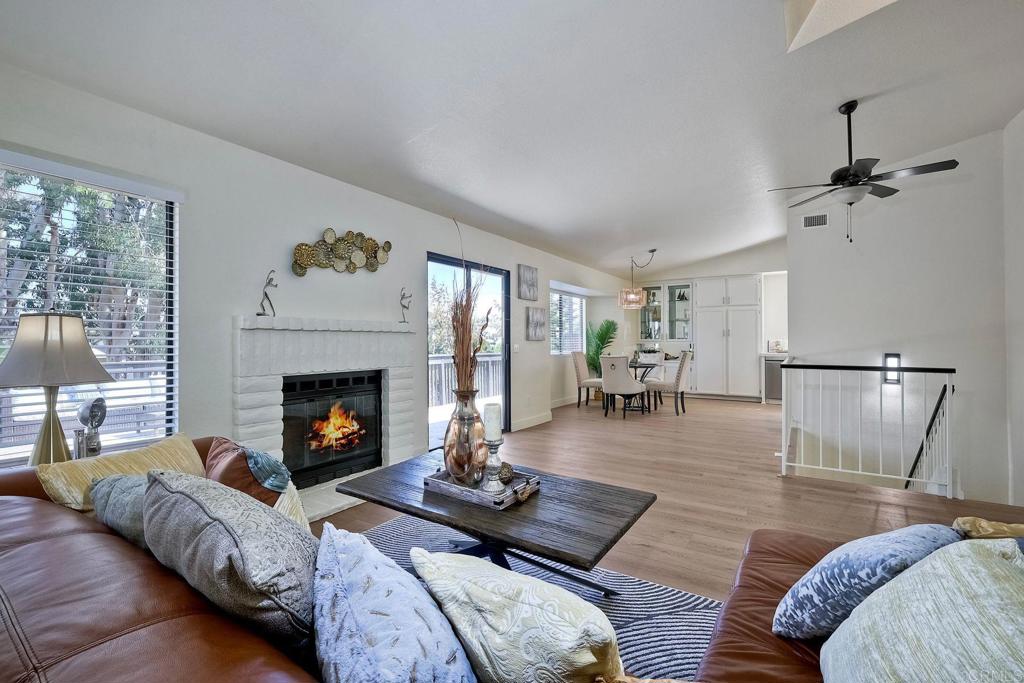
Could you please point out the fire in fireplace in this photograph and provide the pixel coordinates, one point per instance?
(332, 425)
(339, 431)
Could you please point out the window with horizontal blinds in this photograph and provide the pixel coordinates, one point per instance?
(567, 316)
(108, 256)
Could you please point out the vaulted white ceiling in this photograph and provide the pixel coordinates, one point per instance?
(593, 129)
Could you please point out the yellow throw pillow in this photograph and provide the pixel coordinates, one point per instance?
(68, 483)
(517, 628)
(976, 527)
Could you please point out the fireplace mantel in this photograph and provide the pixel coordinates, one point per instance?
(266, 322)
(268, 348)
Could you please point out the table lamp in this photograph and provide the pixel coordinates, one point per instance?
(50, 350)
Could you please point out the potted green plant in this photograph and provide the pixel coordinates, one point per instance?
(599, 338)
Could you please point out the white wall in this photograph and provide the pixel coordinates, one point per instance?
(1013, 216)
(924, 277)
(761, 258)
(563, 377)
(243, 213)
(775, 307)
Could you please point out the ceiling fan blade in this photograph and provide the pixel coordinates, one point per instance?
(881, 191)
(801, 187)
(862, 167)
(947, 165)
(811, 199)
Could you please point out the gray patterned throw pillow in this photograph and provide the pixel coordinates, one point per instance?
(118, 503)
(245, 557)
(826, 595)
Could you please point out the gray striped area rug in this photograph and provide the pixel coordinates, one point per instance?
(663, 632)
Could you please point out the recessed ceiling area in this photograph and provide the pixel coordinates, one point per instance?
(593, 130)
(808, 20)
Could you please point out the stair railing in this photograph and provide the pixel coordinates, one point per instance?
(922, 460)
(858, 423)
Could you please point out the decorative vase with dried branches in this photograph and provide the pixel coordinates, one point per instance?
(465, 453)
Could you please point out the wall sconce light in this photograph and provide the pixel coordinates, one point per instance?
(892, 360)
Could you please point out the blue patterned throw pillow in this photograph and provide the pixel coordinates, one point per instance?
(375, 623)
(826, 595)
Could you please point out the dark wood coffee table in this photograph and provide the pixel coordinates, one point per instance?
(570, 521)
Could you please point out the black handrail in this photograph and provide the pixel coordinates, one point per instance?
(927, 433)
(867, 368)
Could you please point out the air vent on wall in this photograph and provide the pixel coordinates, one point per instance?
(816, 220)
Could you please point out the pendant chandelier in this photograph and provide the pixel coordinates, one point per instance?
(632, 297)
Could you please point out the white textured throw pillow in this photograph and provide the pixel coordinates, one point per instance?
(517, 628)
(957, 615)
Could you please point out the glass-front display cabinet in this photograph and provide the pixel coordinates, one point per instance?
(651, 313)
(679, 301)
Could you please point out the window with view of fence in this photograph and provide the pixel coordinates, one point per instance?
(109, 257)
(566, 322)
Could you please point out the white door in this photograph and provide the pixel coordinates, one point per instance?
(741, 290)
(741, 337)
(710, 367)
(710, 292)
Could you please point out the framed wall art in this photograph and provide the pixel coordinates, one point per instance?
(527, 282)
(536, 321)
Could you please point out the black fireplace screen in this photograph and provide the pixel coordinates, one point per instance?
(332, 425)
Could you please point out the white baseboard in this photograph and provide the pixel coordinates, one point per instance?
(723, 397)
(533, 421)
(559, 402)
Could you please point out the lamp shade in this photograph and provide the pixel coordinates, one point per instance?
(631, 297)
(50, 350)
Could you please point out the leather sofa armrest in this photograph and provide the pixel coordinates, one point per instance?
(21, 481)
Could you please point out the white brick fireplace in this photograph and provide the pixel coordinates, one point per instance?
(268, 349)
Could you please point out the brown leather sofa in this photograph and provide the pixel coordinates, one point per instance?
(743, 648)
(81, 604)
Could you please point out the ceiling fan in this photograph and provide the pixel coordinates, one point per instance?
(851, 183)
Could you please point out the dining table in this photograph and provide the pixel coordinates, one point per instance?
(641, 369)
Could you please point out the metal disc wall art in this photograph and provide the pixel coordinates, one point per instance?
(344, 253)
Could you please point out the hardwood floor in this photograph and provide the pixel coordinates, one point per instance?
(716, 477)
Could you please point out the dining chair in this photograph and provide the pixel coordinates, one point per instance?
(583, 377)
(617, 381)
(656, 374)
(676, 384)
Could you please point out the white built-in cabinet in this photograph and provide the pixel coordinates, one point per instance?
(719, 319)
(742, 335)
(710, 351)
(727, 335)
(735, 290)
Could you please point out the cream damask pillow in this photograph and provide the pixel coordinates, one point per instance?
(517, 628)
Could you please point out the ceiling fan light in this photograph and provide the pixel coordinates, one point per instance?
(631, 297)
(851, 194)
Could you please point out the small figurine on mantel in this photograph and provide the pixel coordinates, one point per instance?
(265, 301)
(406, 301)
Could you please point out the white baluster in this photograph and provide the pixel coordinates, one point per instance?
(785, 420)
(821, 421)
(860, 421)
(840, 373)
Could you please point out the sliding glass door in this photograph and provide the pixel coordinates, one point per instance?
(446, 275)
